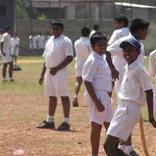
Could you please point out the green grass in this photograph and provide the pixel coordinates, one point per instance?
(27, 82)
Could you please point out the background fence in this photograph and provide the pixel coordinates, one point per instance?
(76, 14)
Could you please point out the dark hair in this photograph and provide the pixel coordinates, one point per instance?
(96, 26)
(85, 31)
(96, 37)
(58, 23)
(122, 18)
(7, 28)
(137, 24)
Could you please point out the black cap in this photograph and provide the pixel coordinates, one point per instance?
(135, 43)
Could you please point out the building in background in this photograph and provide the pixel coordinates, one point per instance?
(7, 13)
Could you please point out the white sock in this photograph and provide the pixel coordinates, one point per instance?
(3, 78)
(50, 118)
(122, 147)
(128, 149)
(66, 120)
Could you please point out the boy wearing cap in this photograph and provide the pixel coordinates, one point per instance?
(138, 31)
(135, 83)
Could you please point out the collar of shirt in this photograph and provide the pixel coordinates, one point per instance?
(132, 65)
(53, 38)
(84, 38)
(97, 56)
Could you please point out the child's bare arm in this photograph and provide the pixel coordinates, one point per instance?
(149, 97)
(42, 74)
(63, 64)
(92, 94)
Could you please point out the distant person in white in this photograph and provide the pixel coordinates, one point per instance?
(96, 28)
(15, 47)
(83, 49)
(40, 41)
(6, 54)
(152, 72)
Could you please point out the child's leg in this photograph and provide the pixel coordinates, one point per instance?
(10, 69)
(77, 88)
(111, 146)
(52, 105)
(95, 138)
(66, 106)
(106, 125)
(4, 70)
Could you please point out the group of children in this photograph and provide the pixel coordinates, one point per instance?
(9, 51)
(94, 66)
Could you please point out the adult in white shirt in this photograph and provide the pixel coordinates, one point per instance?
(82, 49)
(15, 47)
(139, 31)
(58, 54)
(6, 54)
(152, 72)
(96, 28)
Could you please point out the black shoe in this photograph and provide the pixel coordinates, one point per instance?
(11, 80)
(64, 127)
(46, 124)
(133, 153)
(75, 102)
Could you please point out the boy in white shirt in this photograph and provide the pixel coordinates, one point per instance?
(134, 86)
(6, 54)
(97, 79)
(58, 54)
(15, 47)
(82, 49)
(152, 72)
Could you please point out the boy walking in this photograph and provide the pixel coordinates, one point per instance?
(135, 83)
(97, 79)
(58, 54)
(83, 49)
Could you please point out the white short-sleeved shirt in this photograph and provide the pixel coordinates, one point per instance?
(117, 34)
(40, 40)
(6, 41)
(96, 71)
(14, 42)
(83, 49)
(152, 64)
(56, 51)
(115, 49)
(135, 82)
(92, 32)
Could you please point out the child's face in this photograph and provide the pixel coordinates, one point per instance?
(117, 25)
(130, 53)
(56, 31)
(143, 33)
(100, 47)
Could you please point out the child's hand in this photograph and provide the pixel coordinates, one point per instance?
(100, 107)
(41, 80)
(53, 71)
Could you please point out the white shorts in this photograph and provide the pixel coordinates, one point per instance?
(56, 85)
(78, 71)
(100, 117)
(15, 53)
(7, 58)
(124, 120)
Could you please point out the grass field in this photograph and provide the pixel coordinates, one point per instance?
(23, 106)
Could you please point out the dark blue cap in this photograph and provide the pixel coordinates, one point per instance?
(135, 43)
